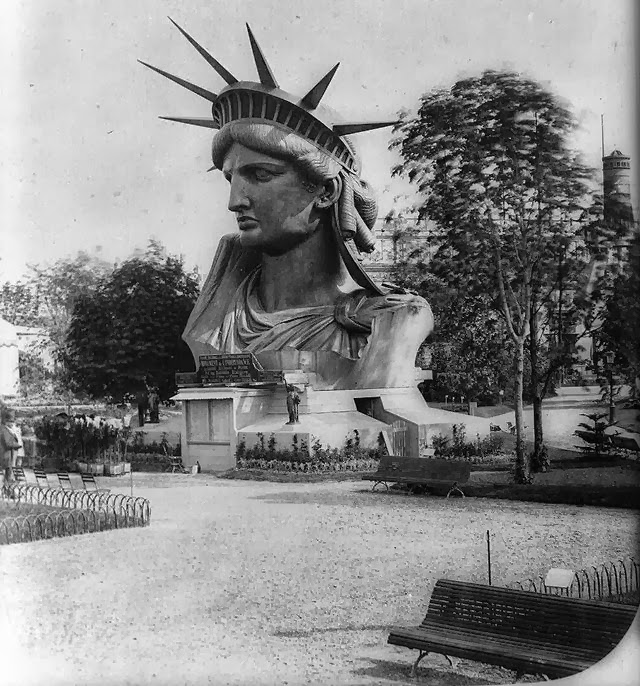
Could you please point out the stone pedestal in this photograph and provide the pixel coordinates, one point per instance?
(216, 419)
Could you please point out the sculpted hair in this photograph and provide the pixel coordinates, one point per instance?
(357, 208)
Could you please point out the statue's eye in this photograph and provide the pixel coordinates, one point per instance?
(261, 174)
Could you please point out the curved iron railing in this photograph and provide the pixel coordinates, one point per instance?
(80, 512)
(608, 581)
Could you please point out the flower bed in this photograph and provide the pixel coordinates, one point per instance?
(352, 457)
(361, 464)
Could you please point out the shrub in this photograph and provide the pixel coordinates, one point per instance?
(90, 439)
(458, 448)
(351, 457)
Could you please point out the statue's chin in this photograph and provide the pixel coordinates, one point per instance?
(272, 249)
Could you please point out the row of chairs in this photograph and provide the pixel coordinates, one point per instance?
(61, 480)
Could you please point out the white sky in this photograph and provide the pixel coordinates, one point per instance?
(86, 162)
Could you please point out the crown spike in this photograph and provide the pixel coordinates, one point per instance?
(313, 97)
(207, 123)
(359, 127)
(226, 75)
(202, 92)
(264, 71)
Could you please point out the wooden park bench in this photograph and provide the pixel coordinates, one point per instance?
(521, 630)
(628, 445)
(420, 471)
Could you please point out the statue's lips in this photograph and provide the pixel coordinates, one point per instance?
(245, 223)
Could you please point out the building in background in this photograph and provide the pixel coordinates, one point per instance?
(9, 360)
(396, 239)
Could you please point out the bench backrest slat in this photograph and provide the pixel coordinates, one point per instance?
(424, 467)
(558, 621)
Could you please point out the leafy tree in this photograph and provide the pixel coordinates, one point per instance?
(470, 348)
(491, 161)
(620, 324)
(129, 331)
(19, 304)
(59, 286)
(45, 299)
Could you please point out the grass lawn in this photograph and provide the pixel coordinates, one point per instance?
(9, 508)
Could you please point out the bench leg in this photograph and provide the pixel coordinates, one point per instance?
(386, 485)
(451, 662)
(423, 654)
(455, 488)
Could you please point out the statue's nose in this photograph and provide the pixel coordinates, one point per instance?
(238, 198)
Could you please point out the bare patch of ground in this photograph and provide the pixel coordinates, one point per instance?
(239, 582)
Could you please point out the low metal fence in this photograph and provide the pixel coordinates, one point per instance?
(611, 581)
(79, 512)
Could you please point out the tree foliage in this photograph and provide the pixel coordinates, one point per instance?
(58, 286)
(494, 170)
(19, 304)
(471, 351)
(129, 330)
(620, 329)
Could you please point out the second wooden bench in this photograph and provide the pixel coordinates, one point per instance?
(420, 471)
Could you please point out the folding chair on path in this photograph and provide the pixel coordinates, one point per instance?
(65, 481)
(41, 478)
(89, 483)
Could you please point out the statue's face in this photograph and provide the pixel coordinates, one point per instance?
(274, 204)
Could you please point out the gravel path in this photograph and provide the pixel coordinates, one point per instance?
(239, 582)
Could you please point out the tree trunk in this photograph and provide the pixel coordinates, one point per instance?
(522, 469)
(539, 459)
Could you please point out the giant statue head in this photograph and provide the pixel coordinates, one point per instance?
(264, 118)
(294, 174)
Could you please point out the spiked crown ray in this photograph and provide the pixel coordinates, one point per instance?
(267, 102)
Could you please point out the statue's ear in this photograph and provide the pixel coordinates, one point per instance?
(330, 194)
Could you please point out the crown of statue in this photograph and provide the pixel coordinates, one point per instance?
(266, 102)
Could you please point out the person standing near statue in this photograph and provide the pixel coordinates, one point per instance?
(10, 443)
(154, 406)
(293, 400)
(142, 401)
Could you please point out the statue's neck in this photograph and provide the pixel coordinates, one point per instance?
(310, 275)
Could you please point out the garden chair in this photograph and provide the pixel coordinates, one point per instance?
(65, 481)
(89, 483)
(30, 477)
(41, 478)
(18, 474)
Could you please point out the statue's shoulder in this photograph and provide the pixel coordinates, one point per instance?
(356, 310)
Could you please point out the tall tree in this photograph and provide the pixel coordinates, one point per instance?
(19, 303)
(59, 286)
(129, 330)
(491, 159)
(620, 313)
(470, 348)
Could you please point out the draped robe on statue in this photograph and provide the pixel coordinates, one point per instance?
(363, 339)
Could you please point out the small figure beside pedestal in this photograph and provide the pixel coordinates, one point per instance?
(293, 400)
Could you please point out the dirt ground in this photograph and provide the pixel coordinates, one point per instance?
(240, 582)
